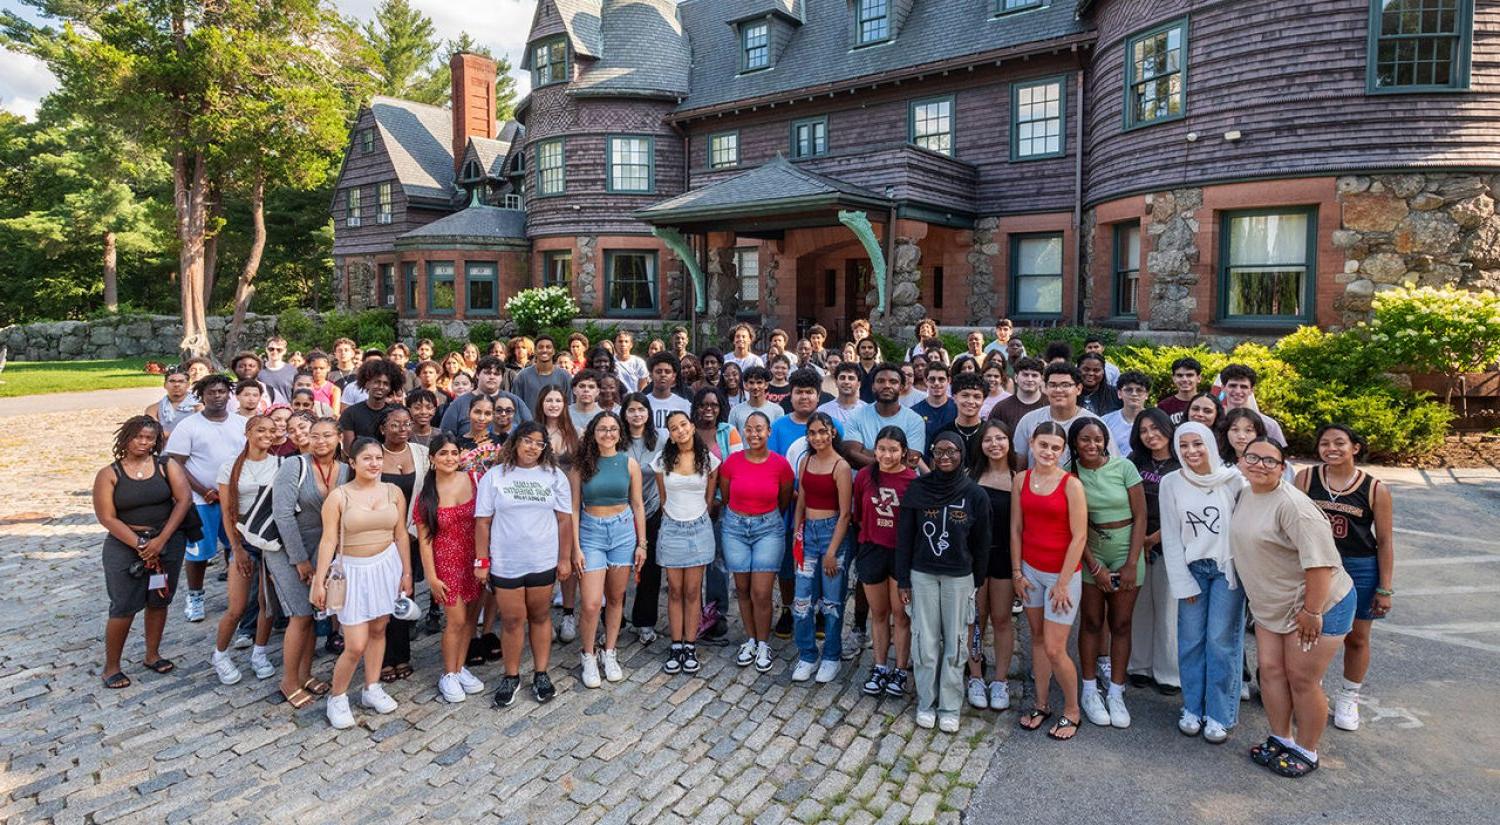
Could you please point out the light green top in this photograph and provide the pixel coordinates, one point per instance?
(1108, 489)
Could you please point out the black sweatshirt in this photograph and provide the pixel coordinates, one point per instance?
(965, 527)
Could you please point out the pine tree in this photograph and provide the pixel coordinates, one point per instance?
(402, 45)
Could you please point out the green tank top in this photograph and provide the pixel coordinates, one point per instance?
(611, 484)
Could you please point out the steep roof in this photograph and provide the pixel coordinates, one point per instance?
(419, 140)
(476, 224)
(820, 51)
(581, 20)
(490, 154)
(775, 186)
(642, 51)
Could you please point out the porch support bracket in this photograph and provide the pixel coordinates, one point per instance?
(678, 244)
(859, 224)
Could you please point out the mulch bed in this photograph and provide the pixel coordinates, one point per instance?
(1462, 451)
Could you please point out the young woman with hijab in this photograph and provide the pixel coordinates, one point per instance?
(444, 515)
(1153, 628)
(240, 481)
(686, 475)
(1197, 501)
(878, 490)
(405, 466)
(994, 467)
(942, 557)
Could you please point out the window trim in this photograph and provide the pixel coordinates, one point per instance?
(736, 134)
(859, 21)
(567, 62)
(911, 122)
(562, 166)
(747, 306)
(1115, 269)
(1129, 110)
(744, 38)
(1310, 262)
(354, 204)
(654, 278)
(823, 119)
(385, 202)
(409, 287)
(366, 140)
(998, 9)
(548, 257)
(1014, 287)
(387, 294)
(432, 308)
(469, 279)
(1062, 117)
(609, 164)
(1462, 63)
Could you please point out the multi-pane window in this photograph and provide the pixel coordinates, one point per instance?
(630, 287)
(388, 285)
(724, 150)
(409, 272)
(549, 62)
(872, 20)
(630, 164)
(755, 44)
(512, 200)
(1420, 44)
(1036, 274)
(810, 137)
(1037, 119)
(1003, 6)
(557, 269)
(482, 288)
(385, 202)
(1267, 264)
(366, 140)
(747, 267)
(1127, 269)
(1155, 75)
(932, 124)
(441, 297)
(549, 168)
(354, 199)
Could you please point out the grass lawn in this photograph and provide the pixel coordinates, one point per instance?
(38, 377)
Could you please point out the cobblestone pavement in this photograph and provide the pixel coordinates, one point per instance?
(729, 744)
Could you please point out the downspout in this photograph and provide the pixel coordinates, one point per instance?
(1078, 238)
(890, 256)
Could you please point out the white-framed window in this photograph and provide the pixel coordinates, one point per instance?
(755, 45)
(384, 202)
(1268, 259)
(872, 21)
(1156, 75)
(932, 124)
(550, 177)
(353, 202)
(630, 164)
(1036, 274)
(1037, 119)
(747, 268)
(723, 150)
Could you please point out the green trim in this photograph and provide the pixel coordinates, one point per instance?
(1461, 61)
(956, 219)
(711, 137)
(860, 19)
(859, 224)
(1015, 280)
(1309, 263)
(432, 282)
(469, 280)
(911, 123)
(773, 207)
(653, 279)
(677, 243)
(1129, 73)
(562, 159)
(550, 257)
(1116, 270)
(609, 164)
(409, 288)
(1062, 117)
(744, 38)
(998, 8)
(796, 155)
(567, 61)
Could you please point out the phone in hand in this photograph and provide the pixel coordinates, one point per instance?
(1114, 581)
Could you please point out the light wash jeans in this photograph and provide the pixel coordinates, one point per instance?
(819, 596)
(942, 608)
(1210, 645)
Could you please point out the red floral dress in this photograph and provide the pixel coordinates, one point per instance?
(453, 552)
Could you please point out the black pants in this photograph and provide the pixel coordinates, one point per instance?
(398, 632)
(647, 607)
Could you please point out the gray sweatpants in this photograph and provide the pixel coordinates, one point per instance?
(942, 607)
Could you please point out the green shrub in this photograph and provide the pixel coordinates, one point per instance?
(1448, 330)
(535, 309)
(1396, 423)
(1156, 362)
(1347, 358)
(480, 335)
(300, 331)
(375, 327)
(432, 331)
(1037, 339)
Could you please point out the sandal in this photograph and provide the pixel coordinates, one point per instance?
(1034, 719)
(299, 698)
(1292, 765)
(1266, 752)
(1063, 724)
(388, 674)
(117, 681)
(403, 670)
(475, 656)
(161, 665)
(316, 687)
(490, 644)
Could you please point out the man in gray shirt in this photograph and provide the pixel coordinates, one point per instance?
(540, 374)
(491, 371)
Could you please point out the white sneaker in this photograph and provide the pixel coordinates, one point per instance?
(557, 597)
(1189, 723)
(948, 723)
(1346, 710)
(611, 662)
(1244, 691)
(926, 719)
(262, 666)
(452, 691)
(339, 714)
(1214, 732)
(803, 671)
(747, 653)
(999, 695)
(1093, 706)
(647, 635)
(375, 698)
(193, 609)
(1119, 717)
(469, 682)
(224, 667)
(763, 657)
(828, 670)
(243, 641)
(569, 630)
(590, 670)
(978, 696)
(1102, 669)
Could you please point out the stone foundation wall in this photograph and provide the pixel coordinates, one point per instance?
(984, 250)
(1173, 231)
(128, 336)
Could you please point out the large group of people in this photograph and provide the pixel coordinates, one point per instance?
(947, 492)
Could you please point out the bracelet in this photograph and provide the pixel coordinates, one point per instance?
(1318, 616)
(482, 564)
(1384, 591)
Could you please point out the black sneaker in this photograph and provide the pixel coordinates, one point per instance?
(475, 655)
(895, 683)
(690, 658)
(541, 688)
(506, 693)
(875, 685)
(673, 664)
(784, 625)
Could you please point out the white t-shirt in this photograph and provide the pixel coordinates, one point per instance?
(523, 503)
(1021, 443)
(913, 397)
(686, 494)
(840, 413)
(207, 445)
(1119, 430)
(253, 476)
(740, 413)
(750, 360)
(663, 407)
(631, 370)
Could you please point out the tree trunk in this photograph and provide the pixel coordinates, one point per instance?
(190, 190)
(245, 289)
(111, 286)
(211, 242)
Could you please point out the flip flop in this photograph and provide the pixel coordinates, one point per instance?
(316, 687)
(161, 665)
(1062, 724)
(1036, 716)
(117, 681)
(299, 698)
(403, 670)
(388, 674)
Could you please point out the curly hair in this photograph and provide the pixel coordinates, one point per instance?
(586, 455)
(512, 444)
(132, 428)
(670, 452)
(376, 367)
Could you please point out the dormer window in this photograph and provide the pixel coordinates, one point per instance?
(1005, 6)
(549, 62)
(872, 21)
(470, 172)
(755, 45)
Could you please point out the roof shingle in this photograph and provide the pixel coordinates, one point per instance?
(419, 140)
(476, 223)
(642, 50)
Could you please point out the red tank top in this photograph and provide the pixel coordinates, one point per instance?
(820, 490)
(1045, 532)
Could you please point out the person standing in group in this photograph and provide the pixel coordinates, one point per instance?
(629, 367)
(302, 485)
(489, 379)
(364, 523)
(1239, 393)
(444, 515)
(276, 373)
(914, 387)
(201, 444)
(942, 557)
(1242, 426)
(611, 543)
(1048, 531)
(886, 411)
(876, 499)
(722, 441)
(996, 383)
(968, 397)
(686, 476)
(711, 362)
(664, 399)
(481, 428)
(867, 358)
(994, 466)
(1153, 628)
(937, 410)
(523, 539)
(1063, 383)
(640, 441)
(1028, 395)
(732, 387)
(178, 402)
(846, 403)
(585, 399)
(1003, 330)
(551, 411)
(250, 396)
(756, 380)
(1206, 410)
(1358, 508)
(1099, 396)
(1187, 371)
(741, 337)
(825, 488)
(756, 485)
(381, 381)
(140, 500)
(541, 374)
(785, 432)
(779, 389)
(240, 482)
(405, 466)
(1134, 390)
(1197, 502)
(1302, 601)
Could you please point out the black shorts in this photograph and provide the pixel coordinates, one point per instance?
(127, 591)
(546, 578)
(873, 563)
(1000, 567)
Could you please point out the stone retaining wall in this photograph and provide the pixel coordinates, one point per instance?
(123, 337)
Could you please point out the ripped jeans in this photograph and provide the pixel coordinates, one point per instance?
(816, 592)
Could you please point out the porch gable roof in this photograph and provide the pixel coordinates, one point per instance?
(776, 187)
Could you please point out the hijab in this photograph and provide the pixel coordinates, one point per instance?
(1221, 482)
(938, 488)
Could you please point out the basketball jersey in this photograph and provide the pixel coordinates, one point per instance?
(1351, 514)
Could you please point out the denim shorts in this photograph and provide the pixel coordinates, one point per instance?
(754, 544)
(608, 541)
(1339, 619)
(1365, 571)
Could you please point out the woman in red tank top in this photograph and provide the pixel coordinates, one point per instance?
(824, 505)
(1049, 523)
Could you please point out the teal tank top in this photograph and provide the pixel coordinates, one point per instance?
(611, 484)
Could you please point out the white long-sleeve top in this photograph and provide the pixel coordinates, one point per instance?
(1195, 525)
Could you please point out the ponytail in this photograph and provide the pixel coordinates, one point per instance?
(232, 500)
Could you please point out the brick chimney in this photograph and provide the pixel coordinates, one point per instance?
(473, 101)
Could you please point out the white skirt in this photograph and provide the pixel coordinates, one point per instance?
(373, 583)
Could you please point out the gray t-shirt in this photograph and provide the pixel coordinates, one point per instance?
(528, 384)
(280, 381)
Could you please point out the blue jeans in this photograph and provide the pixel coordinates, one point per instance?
(607, 541)
(1210, 645)
(816, 589)
(753, 544)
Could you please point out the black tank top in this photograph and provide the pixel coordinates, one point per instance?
(145, 502)
(1351, 514)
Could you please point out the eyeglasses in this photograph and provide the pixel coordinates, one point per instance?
(946, 452)
(1253, 460)
(534, 443)
(1133, 390)
(1053, 385)
(505, 411)
(275, 349)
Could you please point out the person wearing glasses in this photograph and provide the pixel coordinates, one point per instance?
(937, 410)
(1061, 384)
(276, 373)
(1134, 390)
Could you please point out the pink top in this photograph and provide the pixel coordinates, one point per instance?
(754, 489)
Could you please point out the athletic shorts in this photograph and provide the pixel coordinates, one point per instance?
(546, 578)
(213, 526)
(874, 564)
